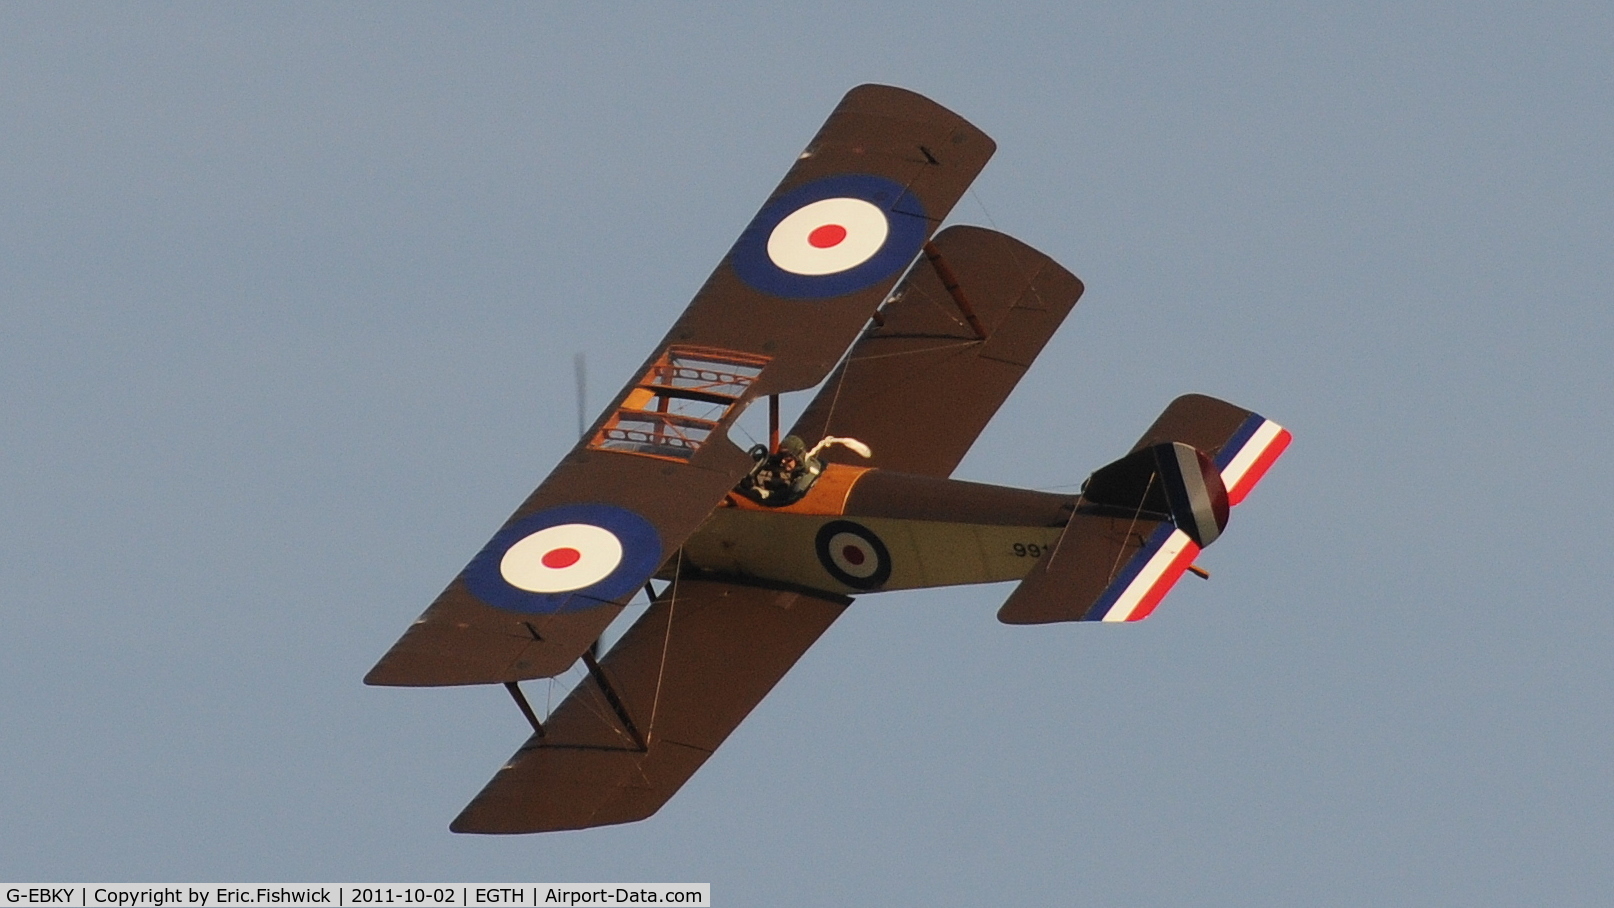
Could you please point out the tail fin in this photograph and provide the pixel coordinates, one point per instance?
(1142, 520)
(1168, 481)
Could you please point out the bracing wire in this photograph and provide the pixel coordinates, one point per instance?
(666, 641)
(1130, 527)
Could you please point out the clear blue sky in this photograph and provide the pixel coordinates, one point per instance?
(289, 296)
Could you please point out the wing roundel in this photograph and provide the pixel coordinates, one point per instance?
(830, 237)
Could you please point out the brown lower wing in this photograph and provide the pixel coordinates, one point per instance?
(682, 678)
(920, 386)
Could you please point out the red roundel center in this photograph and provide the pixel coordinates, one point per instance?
(826, 236)
(561, 558)
(853, 555)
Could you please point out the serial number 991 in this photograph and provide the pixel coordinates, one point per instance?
(404, 896)
(1029, 549)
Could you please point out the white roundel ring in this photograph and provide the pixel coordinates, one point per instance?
(852, 554)
(561, 558)
(828, 236)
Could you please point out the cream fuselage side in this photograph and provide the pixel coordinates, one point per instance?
(864, 530)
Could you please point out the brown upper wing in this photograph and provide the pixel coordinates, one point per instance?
(920, 387)
(775, 330)
(684, 676)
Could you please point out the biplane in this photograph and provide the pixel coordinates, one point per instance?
(917, 337)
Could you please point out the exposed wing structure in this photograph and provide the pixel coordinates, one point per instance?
(921, 384)
(858, 206)
(1111, 566)
(669, 692)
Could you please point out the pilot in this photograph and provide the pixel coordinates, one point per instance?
(797, 466)
(784, 476)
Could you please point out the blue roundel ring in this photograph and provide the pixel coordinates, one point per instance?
(579, 527)
(906, 223)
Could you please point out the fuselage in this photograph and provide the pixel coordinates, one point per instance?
(860, 529)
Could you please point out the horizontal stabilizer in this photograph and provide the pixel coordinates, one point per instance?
(1142, 520)
(1243, 444)
(1102, 569)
